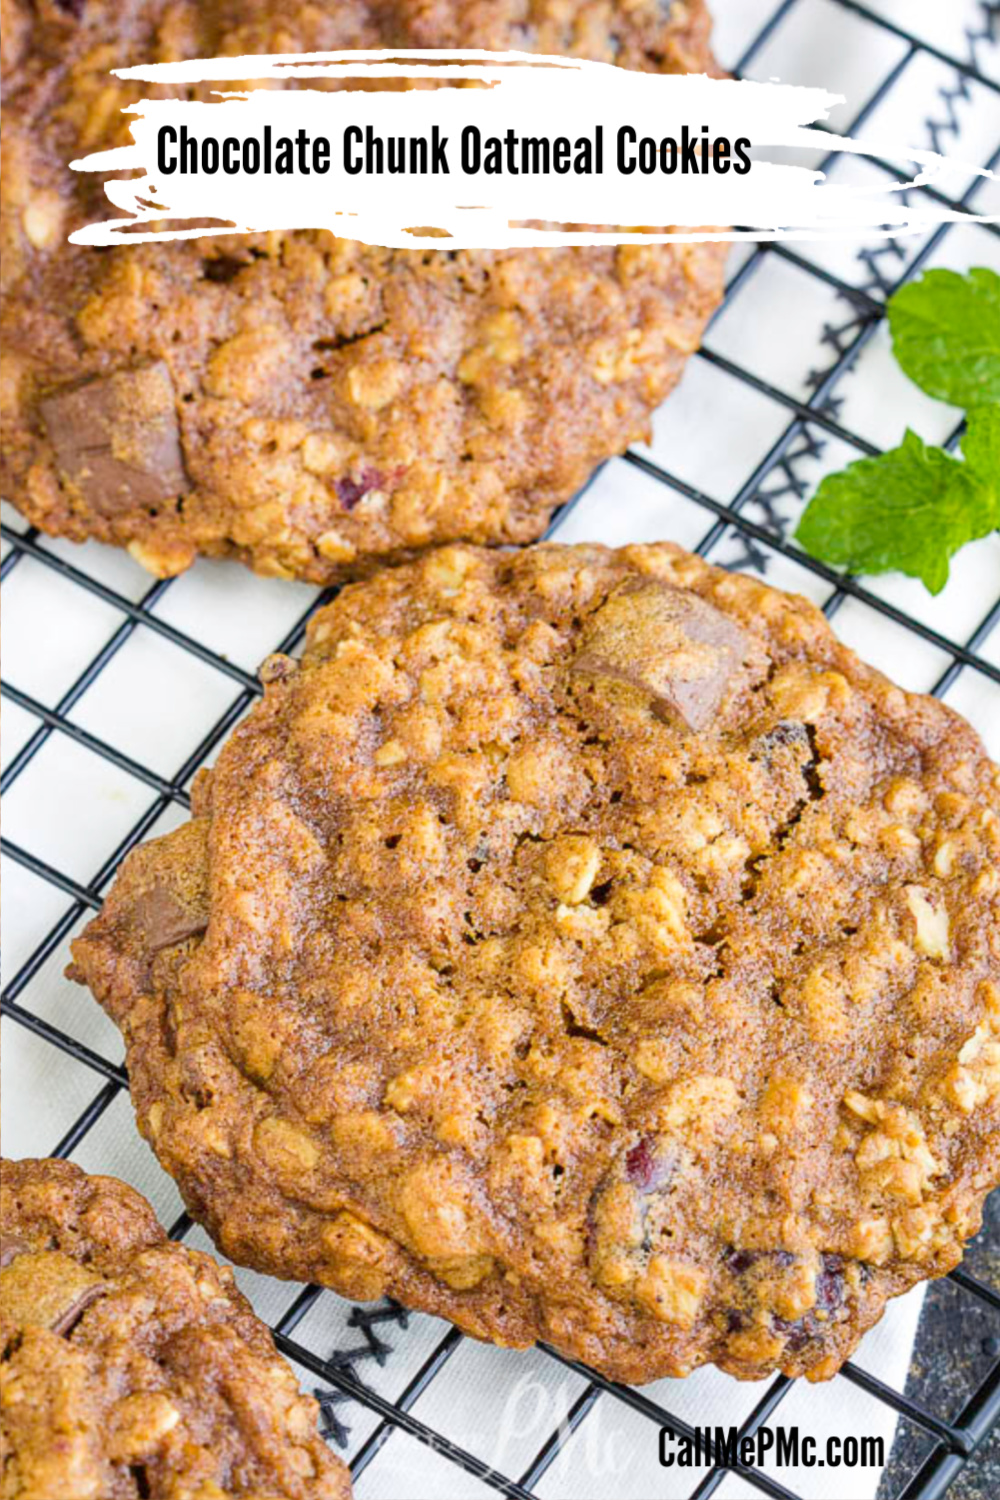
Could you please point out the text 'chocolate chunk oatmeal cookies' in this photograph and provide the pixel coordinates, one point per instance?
(132, 1367)
(583, 945)
(308, 404)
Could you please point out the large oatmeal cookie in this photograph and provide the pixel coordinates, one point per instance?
(305, 403)
(583, 945)
(132, 1367)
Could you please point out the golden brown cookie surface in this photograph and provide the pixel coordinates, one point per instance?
(585, 946)
(308, 404)
(132, 1367)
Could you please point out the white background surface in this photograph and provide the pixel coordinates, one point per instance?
(154, 703)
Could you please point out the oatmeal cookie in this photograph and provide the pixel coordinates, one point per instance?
(131, 1365)
(308, 404)
(585, 946)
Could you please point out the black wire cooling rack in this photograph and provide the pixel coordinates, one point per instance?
(949, 1444)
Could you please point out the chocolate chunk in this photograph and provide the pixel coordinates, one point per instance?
(222, 269)
(164, 920)
(10, 1248)
(116, 439)
(70, 1316)
(48, 1289)
(669, 643)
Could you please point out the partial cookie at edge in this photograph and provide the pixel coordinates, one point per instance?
(132, 1364)
(314, 405)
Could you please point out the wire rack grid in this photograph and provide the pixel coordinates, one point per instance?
(748, 529)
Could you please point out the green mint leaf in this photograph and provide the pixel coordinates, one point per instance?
(946, 335)
(981, 448)
(905, 511)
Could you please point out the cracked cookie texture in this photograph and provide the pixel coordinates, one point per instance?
(308, 404)
(132, 1367)
(586, 946)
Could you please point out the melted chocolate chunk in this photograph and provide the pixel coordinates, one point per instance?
(117, 441)
(669, 643)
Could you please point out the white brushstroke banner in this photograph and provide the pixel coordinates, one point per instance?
(300, 158)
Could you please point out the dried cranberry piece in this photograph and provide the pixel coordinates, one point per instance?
(830, 1284)
(797, 1335)
(740, 1261)
(830, 1292)
(639, 1163)
(646, 1169)
(74, 8)
(351, 491)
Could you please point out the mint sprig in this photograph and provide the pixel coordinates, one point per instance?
(909, 510)
(946, 335)
(981, 445)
